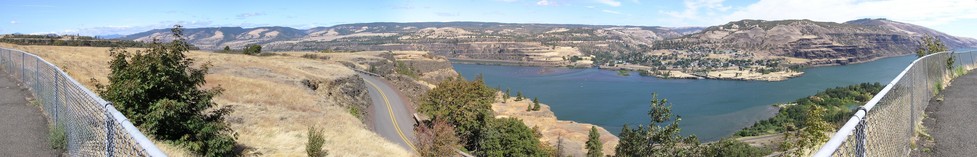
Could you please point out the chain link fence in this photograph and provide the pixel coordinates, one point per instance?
(887, 124)
(93, 127)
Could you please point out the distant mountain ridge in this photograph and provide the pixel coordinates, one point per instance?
(824, 42)
(856, 40)
(285, 38)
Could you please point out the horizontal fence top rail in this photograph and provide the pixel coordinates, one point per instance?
(117, 119)
(841, 136)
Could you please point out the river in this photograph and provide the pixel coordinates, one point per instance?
(710, 109)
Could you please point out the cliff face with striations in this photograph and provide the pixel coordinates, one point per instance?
(821, 42)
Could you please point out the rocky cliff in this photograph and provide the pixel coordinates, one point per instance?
(823, 42)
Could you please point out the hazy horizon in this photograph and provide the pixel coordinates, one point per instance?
(124, 17)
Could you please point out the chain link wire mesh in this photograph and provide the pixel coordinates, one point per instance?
(889, 124)
(93, 127)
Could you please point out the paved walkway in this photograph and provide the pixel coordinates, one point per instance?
(953, 121)
(23, 129)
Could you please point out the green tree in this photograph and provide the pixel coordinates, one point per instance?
(536, 104)
(464, 104)
(161, 93)
(632, 142)
(929, 45)
(594, 147)
(657, 140)
(807, 138)
(519, 96)
(227, 48)
(509, 137)
(252, 49)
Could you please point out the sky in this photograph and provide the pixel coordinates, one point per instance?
(105, 17)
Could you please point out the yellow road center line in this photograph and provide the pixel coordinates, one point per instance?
(392, 118)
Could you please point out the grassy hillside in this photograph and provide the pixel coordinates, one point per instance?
(272, 108)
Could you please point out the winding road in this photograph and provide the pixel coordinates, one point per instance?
(391, 118)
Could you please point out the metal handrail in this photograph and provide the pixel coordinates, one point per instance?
(859, 118)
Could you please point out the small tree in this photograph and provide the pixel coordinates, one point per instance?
(535, 103)
(436, 139)
(252, 49)
(161, 93)
(929, 45)
(227, 48)
(802, 141)
(594, 147)
(314, 147)
(657, 140)
(519, 96)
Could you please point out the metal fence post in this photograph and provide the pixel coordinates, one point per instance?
(57, 97)
(860, 134)
(37, 85)
(23, 68)
(108, 132)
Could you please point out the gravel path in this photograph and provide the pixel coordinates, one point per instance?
(953, 121)
(23, 129)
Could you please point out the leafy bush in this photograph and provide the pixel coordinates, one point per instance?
(58, 137)
(159, 91)
(731, 147)
(464, 104)
(403, 68)
(314, 146)
(436, 139)
(509, 137)
(252, 49)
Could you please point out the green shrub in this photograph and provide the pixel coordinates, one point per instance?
(314, 146)
(159, 91)
(509, 137)
(463, 104)
(403, 68)
(252, 49)
(58, 137)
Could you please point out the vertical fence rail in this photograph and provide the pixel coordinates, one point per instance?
(887, 124)
(93, 126)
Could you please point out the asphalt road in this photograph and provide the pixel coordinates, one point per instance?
(23, 129)
(952, 121)
(391, 118)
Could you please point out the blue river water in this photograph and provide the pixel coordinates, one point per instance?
(710, 109)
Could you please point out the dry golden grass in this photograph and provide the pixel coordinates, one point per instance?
(272, 109)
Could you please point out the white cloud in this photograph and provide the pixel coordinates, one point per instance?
(13, 22)
(693, 9)
(543, 3)
(613, 3)
(611, 11)
(248, 15)
(926, 13)
(125, 30)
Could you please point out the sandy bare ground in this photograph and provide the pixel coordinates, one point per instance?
(272, 109)
(574, 134)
